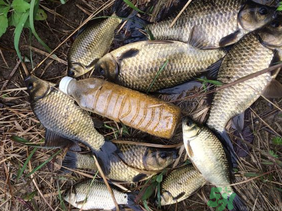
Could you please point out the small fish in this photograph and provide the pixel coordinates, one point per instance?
(60, 116)
(133, 163)
(213, 24)
(95, 195)
(153, 65)
(91, 45)
(180, 184)
(146, 158)
(255, 52)
(208, 156)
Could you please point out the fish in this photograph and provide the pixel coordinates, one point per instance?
(121, 104)
(60, 116)
(148, 66)
(146, 158)
(255, 52)
(213, 24)
(208, 156)
(94, 194)
(180, 184)
(133, 163)
(91, 45)
(270, 3)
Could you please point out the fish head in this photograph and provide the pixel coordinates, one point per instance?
(253, 16)
(76, 69)
(271, 34)
(271, 3)
(157, 159)
(189, 128)
(37, 88)
(107, 67)
(167, 198)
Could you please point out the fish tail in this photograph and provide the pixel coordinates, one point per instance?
(238, 204)
(131, 202)
(69, 161)
(104, 155)
(120, 9)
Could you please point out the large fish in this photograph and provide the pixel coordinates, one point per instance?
(255, 52)
(91, 45)
(133, 163)
(95, 195)
(180, 184)
(208, 156)
(152, 65)
(271, 3)
(213, 24)
(60, 116)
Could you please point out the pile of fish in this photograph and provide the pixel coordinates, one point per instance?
(228, 38)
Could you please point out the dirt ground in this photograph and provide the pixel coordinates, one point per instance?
(258, 179)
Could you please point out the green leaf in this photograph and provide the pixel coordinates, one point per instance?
(145, 203)
(15, 18)
(217, 83)
(20, 5)
(159, 178)
(18, 32)
(272, 153)
(40, 15)
(4, 9)
(277, 140)
(251, 174)
(30, 196)
(149, 191)
(131, 5)
(62, 1)
(19, 139)
(157, 75)
(31, 22)
(3, 24)
(25, 163)
(3, 3)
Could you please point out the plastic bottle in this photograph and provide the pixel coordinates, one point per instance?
(132, 108)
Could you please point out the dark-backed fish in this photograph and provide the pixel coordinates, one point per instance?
(213, 24)
(153, 65)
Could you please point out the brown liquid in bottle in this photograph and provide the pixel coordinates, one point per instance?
(121, 104)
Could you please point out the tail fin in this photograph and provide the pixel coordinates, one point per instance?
(239, 204)
(104, 155)
(121, 9)
(131, 202)
(69, 161)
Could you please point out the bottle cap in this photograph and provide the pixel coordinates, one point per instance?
(63, 86)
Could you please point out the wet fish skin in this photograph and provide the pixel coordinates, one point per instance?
(136, 65)
(57, 113)
(146, 158)
(91, 45)
(96, 196)
(207, 154)
(271, 3)
(253, 53)
(213, 24)
(180, 184)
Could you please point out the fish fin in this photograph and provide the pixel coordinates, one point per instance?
(238, 203)
(54, 140)
(128, 54)
(213, 70)
(131, 202)
(229, 39)
(189, 150)
(179, 196)
(196, 41)
(238, 121)
(273, 90)
(104, 156)
(139, 177)
(69, 161)
(159, 42)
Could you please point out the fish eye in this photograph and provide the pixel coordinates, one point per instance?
(263, 11)
(71, 73)
(102, 71)
(189, 123)
(30, 86)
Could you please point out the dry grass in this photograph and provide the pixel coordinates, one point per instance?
(258, 180)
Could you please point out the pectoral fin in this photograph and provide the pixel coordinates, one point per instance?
(189, 149)
(273, 90)
(229, 39)
(196, 39)
(54, 140)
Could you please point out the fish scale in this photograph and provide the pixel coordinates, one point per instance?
(60, 119)
(180, 184)
(246, 57)
(180, 63)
